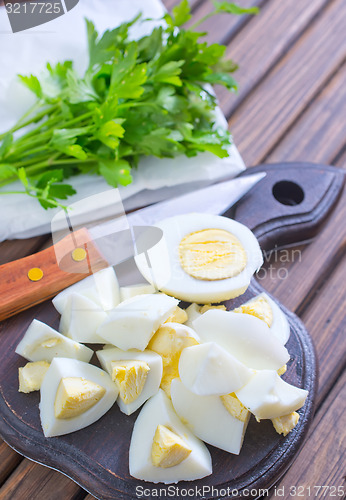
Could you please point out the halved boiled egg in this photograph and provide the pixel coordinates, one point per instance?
(201, 258)
(163, 449)
(244, 336)
(133, 322)
(210, 419)
(43, 343)
(137, 375)
(263, 307)
(74, 395)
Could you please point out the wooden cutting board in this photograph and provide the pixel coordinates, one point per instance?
(289, 205)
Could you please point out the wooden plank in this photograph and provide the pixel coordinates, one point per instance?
(320, 133)
(260, 44)
(271, 109)
(9, 460)
(321, 461)
(30, 480)
(222, 27)
(325, 320)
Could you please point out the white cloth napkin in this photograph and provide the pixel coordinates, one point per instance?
(65, 38)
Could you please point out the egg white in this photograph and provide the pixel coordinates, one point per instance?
(161, 266)
(64, 367)
(208, 418)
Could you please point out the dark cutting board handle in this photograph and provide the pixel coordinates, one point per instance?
(291, 203)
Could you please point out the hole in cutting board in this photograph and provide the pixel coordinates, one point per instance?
(288, 193)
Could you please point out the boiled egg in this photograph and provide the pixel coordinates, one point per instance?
(43, 343)
(266, 395)
(210, 419)
(244, 336)
(133, 322)
(208, 369)
(81, 318)
(74, 395)
(202, 258)
(263, 307)
(137, 375)
(163, 449)
(102, 288)
(169, 342)
(31, 376)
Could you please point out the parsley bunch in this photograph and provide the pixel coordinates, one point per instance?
(136, 98)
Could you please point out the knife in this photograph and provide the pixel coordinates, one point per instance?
(36, 278)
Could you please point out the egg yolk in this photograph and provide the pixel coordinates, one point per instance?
(284, 425)
(75, 395)
(260, 308)
(31, 376)
(130, 377)
(168, 448)
(212, 254)
(179, 315)
(208, 307)
(169, 343)
(235, 407)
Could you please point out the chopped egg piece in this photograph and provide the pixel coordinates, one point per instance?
(101, 288)
(201, 258)
(208, 418)
(133, 322)
(130, 377)
(158, 411)
(235, 407)
(168, 448)
(266, 309)
(152, 360)
(75, 395)
(208, 307)
(284, 425)
(127, 292)
(43, 343)
(212, 254)
(246, 337)
(81, 318)
(31, 376)
(169, 341)
(179, 316)
(282, 370)
(266, 395)
(208, 370)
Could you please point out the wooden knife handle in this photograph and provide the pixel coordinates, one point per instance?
(18, 292)
(291, 203)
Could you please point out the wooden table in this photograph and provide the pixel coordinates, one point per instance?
(291, 106)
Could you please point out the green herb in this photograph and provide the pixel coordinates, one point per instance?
(136, 98)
